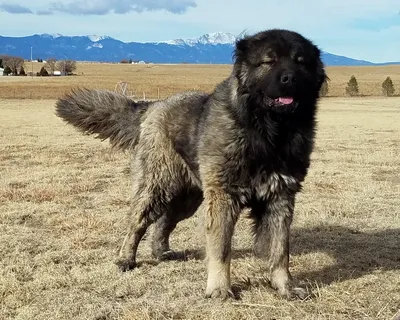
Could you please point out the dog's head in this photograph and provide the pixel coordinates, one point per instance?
(279, 70)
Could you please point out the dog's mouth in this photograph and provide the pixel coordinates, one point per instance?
(283, 102)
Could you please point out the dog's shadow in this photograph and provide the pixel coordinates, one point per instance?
(355, 253)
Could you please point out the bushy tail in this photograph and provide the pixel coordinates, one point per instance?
(107, 114)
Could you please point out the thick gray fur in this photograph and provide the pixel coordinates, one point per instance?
(235, 149)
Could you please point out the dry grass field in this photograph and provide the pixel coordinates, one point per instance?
(64, 199)
(163, 80)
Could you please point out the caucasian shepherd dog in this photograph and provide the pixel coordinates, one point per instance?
(245, 145)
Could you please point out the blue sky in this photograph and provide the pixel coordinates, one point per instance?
(362, 29)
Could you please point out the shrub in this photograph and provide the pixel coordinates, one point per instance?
(387, 87)
(352, 87)
(124, 61)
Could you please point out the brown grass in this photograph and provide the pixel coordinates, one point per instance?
(153, 81)
(64, 199)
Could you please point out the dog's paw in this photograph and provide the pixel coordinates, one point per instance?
(281, 280)
(220, 293)
(125, 264)
(169, 255)
(293, 293)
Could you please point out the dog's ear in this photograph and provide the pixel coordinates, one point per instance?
(242, 46)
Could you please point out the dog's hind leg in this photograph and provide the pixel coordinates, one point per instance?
(146, 209)
(182, 206)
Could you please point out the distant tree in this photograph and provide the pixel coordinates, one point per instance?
(43, 72)
(66, 66)
(7, 71)
(1, 63)
(22, 71)
(130, 61)
(387, 87)
(324, 89)
(352, 87)
(51, 64)
(124, 61)
(14, 63)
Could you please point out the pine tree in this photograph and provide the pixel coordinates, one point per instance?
(387, 87)
(43, 72)
(352, 87)
(22, 71)
(7, 71)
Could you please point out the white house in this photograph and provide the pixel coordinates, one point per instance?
(1, 71)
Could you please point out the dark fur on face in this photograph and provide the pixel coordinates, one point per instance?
(279, 64)
(246, 145)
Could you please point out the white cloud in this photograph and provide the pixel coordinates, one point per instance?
(14, 8)
(103, 7)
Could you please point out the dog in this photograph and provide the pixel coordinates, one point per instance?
(246, 145)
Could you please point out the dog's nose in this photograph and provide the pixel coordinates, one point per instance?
(288, 78)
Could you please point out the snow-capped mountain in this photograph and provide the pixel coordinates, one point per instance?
(91, 37)
(53, 35)
(206, 39)
(209, 48)
(95, 38)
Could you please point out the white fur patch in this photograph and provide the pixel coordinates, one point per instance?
(274, 184)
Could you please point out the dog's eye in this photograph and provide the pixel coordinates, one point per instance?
(299, 59)
(267, 62)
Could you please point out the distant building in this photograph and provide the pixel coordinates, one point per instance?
(138, 62)
(57, 73)
(1, 71)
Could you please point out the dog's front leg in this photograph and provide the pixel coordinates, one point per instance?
(221, 215)
(272, 229)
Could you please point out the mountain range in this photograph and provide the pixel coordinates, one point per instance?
(213, 48)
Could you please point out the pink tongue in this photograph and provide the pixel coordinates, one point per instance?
(285, 100)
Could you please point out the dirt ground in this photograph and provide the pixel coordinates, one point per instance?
(64, 199)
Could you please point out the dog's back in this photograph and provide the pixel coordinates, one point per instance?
(123, 121)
